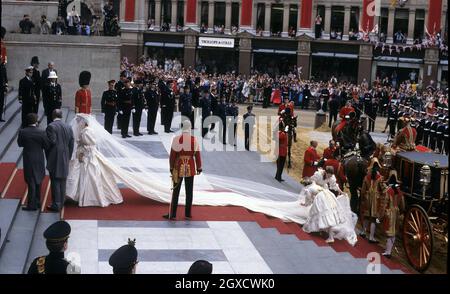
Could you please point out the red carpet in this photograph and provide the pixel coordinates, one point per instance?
(18, 186)
(6, 169)
(136, 207)
(421, 148)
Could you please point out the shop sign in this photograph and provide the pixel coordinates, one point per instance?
(216, 42)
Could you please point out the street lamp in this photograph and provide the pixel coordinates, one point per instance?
(425, 178)
(387, 159)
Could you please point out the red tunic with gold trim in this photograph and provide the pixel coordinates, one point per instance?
(83, 101)
(338, 171)
(346, 110)
(406, 138)
(310, 157)
(394, 205)
(185, 157)
(329, 152)
(4, 57)
(372, 196)
(284, 106)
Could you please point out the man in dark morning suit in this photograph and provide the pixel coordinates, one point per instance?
(34, 142)
(152, 100)
(109, 105)
(27, 96)
(61, 139)
(36, 81)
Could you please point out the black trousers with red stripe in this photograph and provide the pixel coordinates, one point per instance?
(189, 189)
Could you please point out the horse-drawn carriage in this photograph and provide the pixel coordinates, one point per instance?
(424, 183)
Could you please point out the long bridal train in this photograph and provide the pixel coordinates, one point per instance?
(101, 161)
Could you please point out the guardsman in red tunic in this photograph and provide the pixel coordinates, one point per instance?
(406, 138)
(185, 163)
(83, 99)
(311, 160)
(286, 104)
(392, 208)
(372, 197)
(282, 152)
(338, 168)
(347, 113)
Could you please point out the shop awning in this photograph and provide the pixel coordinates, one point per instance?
(337, 55)
(164, 44)
(274, 51)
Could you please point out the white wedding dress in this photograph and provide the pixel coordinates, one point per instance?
(112, 161)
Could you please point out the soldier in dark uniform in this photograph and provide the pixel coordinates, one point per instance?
(27, 96)
(139, 106)
(195, 99)
(36, 82)
(124, 259)
(167, 105)
(186, 107)
(205, 104)
(400, 114)
(214, 104)
(120, 85)
(56, 236)
(232, 116)
(109, 105)
(52, 96)
(248, 123)
(440, 134)
(426, 131)
(152, 98)
(420, 125)
(306, 97)
(125, 106)
(222, 113)
(391, 121)
(267, 93)
(433, 130)
(372, 112)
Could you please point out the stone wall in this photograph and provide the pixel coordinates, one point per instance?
(13, 12)
(71, 54)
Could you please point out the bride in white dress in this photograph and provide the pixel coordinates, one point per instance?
(102, 161)
(90, 182)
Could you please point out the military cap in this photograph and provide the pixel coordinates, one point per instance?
(125, 257)
(57, 232)
(28, 68)
(201, 267)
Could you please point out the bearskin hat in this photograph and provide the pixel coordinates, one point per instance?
(85, 78)
(2, 32)
(34, 60)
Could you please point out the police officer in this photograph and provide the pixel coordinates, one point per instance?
(152, 99)
(125, 107)
(139, 106)
(391, 120)
(124, 259)
(205, 104)
(433, 131)
(109, 105)
(232, 116)
(56, 236)
(52, 96)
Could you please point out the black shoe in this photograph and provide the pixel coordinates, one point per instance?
(188, 217)
(140, 134)
(167, 132)
(2, 120)
(166, 216)
(155, 133)
(124, 136)
(362, 235)
(52, 208)
(386, 255)
(26, 208)
(136, 135)
(128, 136)
(373, 241)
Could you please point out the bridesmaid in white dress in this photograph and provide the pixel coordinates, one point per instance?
(90, 181)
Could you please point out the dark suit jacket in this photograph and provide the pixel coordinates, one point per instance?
(60, 136)
(34, 141)
(26, 94)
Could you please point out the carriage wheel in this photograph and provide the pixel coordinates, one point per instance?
(418, 238)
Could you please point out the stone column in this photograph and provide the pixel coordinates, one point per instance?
(365, 62)
(430, 66)
(245, 55)
(157, 15)
(390, 28)
(228, 17)
(210, 16)
(284, 33)
(304, 56)
(267, 19)
(190, 44)
(327, 21)
(411, 22)
(173, 16)
(346, 23)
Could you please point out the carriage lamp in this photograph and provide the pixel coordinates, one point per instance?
(387, 159)
(425, 178)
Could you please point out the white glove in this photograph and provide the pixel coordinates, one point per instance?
(133, 110)
(283, 111)
(315, 163)
(193, 108)
(325, 159)
(120, 112)
(286, 129)
(377, 220)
